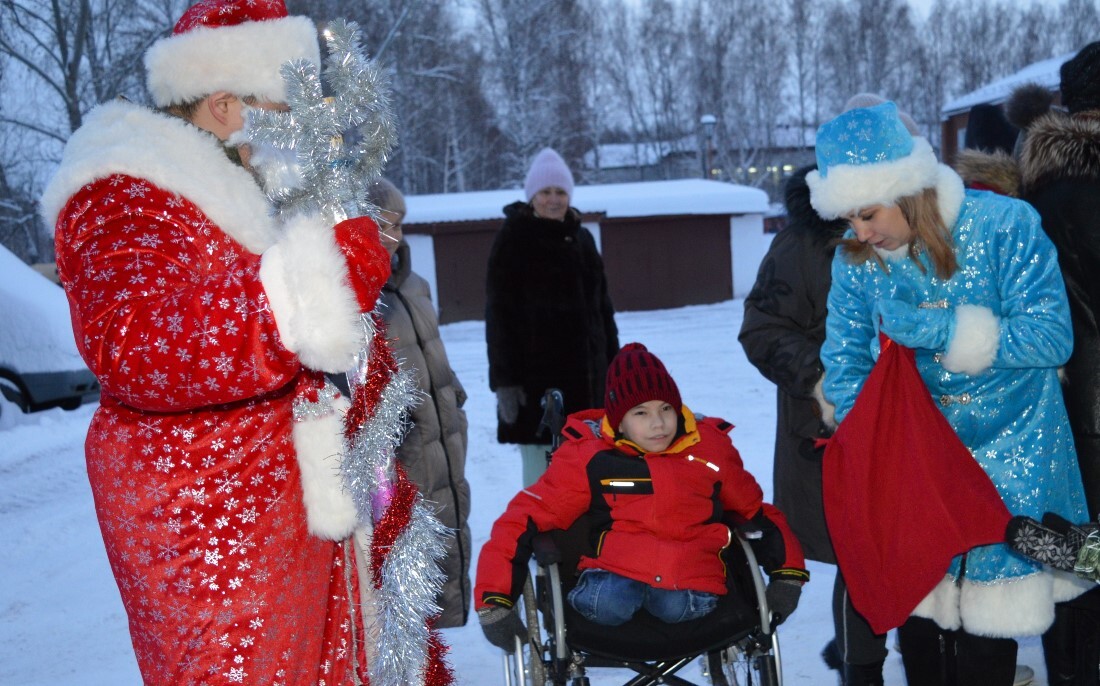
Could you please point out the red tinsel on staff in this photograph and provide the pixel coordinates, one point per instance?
(380, 370)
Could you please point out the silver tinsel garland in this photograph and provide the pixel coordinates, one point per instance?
(341, 144)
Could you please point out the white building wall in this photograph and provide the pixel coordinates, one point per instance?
(422, 254)
(748, 244)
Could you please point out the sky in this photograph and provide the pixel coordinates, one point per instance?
(61, 619)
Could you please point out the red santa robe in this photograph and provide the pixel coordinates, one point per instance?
(205, 319)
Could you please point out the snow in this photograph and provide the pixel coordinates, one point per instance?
(62, 620)
(37, 333)
(640, 199)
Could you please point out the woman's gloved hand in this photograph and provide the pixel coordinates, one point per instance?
(509, 400)
(368, 262)
(916, 327)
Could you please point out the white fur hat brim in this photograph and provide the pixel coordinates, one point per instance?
(851, 187)
(243, 59)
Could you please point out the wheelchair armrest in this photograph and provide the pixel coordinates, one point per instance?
(546, 550)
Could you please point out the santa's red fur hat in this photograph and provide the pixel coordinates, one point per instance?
(236, 46)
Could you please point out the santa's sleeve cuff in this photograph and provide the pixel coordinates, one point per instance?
(975, 341)
(305, 278)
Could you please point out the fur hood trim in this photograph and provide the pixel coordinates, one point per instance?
(997, 171)
(119, 137)
(800, 213)
(1061, 146)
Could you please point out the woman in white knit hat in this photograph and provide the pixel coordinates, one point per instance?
(549, 322)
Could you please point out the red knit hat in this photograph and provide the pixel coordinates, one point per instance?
(634, 377)
(236, 46)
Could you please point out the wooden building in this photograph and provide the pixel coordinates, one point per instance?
(955, 114)
(664, 243)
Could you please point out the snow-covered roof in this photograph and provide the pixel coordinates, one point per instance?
(625, 155)
(1045, 73)
(641, 199)
(37, 334)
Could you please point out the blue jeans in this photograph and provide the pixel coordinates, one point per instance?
(606, 598)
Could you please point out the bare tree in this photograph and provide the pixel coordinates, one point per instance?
(63, 57)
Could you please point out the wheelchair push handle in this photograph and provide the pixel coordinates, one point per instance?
(553, 416)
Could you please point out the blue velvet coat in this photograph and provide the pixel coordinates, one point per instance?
(996, 382)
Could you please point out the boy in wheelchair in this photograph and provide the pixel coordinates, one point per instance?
(662, 488)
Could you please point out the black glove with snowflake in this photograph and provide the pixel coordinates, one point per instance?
(1041, 543)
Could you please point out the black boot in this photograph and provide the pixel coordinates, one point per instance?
(927, 653)
(863, 675)
(983, 660)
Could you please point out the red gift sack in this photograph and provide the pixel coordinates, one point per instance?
(903, 495)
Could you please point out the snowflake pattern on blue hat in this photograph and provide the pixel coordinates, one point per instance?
(863, 136)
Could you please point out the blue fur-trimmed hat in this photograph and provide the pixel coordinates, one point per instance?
(867, 156)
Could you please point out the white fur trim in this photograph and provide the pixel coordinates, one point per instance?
(305, 277)
(950, 193)
(243, 59)
(974, 344)
(850, 187)
(941, 605)
(369, 598)
(318, 442)
(122, 138)
(1022, 607)
(828, 410)
(896, 255)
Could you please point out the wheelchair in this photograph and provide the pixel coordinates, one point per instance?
(738, 642)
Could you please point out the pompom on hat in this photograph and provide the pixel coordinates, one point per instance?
(548, 169)
(235, 46)
(636, 376)
(867, 156)
(1080, 84)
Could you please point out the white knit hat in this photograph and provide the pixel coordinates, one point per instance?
(548, 169)
(236, 46)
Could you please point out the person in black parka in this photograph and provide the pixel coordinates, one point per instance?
(549, 321)
(1060, 177)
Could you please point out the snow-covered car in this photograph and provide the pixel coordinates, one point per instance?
(39, 363)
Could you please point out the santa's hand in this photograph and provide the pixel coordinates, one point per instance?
(368, 262)
(916, 327)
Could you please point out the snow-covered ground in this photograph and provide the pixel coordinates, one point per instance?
(61, 620)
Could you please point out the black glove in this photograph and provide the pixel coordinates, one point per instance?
(509, 399)
(782, 596)
(502, 626)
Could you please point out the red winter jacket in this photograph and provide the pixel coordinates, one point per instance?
(658, 518)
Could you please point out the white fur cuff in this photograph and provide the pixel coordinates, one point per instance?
(305, 277)
(318, 442)
(973, 347)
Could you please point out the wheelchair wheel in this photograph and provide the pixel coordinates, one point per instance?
(745, 663)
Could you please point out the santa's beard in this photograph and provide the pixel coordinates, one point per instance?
(276, 169)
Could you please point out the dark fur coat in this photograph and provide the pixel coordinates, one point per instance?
(1060, 170)
(549, 322)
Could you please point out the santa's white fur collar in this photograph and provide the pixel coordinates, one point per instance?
(123, 138)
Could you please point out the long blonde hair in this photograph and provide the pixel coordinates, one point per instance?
(930, 233)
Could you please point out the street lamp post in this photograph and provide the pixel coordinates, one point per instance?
(707, 122)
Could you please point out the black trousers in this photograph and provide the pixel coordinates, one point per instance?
(856, 642)
(1071, 647)
(933, 656)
